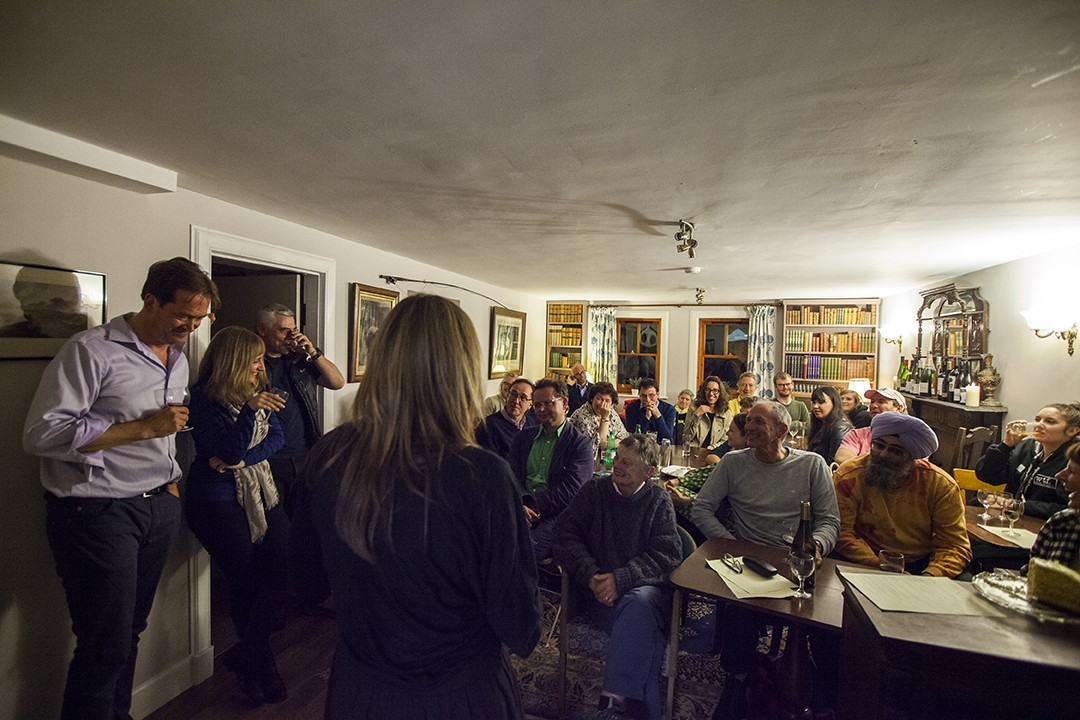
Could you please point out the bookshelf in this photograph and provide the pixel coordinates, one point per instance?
(567, 335)
(828, 342)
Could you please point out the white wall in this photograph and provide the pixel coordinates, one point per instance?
(57, 219)
(1034, 371)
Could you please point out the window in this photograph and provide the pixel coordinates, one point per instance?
(722, 348)
(639, 352)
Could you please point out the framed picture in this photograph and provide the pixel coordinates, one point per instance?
(507, 342)
(368, 307)
(41, 307)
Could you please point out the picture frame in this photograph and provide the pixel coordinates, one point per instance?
(506, 343)
(42, 306)
(368, 308)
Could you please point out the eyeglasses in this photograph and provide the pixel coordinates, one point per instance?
(537, 405)
(518, 396)
(896, 451)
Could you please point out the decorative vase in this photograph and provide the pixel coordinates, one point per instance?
(989, 381)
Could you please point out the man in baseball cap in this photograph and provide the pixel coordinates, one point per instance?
(895, 499)
(857, 441)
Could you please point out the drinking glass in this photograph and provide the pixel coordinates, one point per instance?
(891, 561)
(177, 396)
(986, 499)
(283, 394)
(802, 566)
(1012, 510)
(787, 531)
(1001, 501)
(686, 451)
(793, 432)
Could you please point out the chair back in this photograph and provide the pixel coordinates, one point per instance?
(971, 444)
(967, 481)
(688, 544)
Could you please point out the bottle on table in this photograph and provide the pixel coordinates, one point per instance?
(609, 453)
(804, 536)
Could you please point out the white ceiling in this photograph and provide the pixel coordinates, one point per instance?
(822, 148)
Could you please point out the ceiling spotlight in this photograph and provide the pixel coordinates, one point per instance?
(685, 238)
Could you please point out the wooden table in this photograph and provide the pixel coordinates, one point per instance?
(823, 611)
(916, 665)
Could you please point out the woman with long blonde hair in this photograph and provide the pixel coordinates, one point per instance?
(422, 534)
(232, 502)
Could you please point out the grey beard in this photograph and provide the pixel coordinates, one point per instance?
(884, 475)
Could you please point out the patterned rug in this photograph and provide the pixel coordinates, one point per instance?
(697, 689)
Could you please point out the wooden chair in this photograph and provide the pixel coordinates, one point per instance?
(971, 444)
(967, 481)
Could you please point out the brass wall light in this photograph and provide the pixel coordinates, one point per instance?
(1046, 325)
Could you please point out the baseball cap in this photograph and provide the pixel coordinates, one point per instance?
(888, 394)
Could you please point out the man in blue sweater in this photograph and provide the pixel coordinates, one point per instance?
(617, 541)
(650, 413)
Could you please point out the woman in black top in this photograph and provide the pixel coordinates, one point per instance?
(857, 413)
(828, 425)
(421, 532)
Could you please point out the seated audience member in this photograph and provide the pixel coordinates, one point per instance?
(649, 413)
(617, 542)
(747, 402)
(895, 499)
(827, 422)
(495, 403)
(597, 419)
(785, 387)
(855, 411)
(578, 391)
(496, 431)
(1059, 539)
(551, 464)
(1029, 466)
(745, 387)
(708, 424)
(683, 404)
(421, 535)
(857, 442)
(683, 490)
(764, 486)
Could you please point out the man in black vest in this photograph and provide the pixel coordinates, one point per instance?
(578, 390)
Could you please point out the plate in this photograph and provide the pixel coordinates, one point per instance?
(675, 470)
(1009, 590)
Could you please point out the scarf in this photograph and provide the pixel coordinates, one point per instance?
(255, 488)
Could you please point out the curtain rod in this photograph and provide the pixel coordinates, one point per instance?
(679, 305)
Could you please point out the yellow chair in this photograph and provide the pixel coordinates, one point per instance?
(967, 481)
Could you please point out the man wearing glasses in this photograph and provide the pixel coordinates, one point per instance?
(551, 464)
(498, 430)
(579, 389)
(785, 387)
(895, 499)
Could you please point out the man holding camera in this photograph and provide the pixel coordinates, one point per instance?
(295, 365)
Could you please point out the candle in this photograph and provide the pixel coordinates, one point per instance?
(972, 395)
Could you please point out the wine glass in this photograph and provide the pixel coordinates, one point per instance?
(787, 531)
(793, 432)
(1001, 501)
(1012, 510)
(802, 566)
(177, 396)
(986, 499)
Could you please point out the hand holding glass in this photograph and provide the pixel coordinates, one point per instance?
(802, 567)
(283, 394)
(178, 396)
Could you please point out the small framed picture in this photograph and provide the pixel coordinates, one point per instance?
(41, 307)
(368, 308)
(507, 342)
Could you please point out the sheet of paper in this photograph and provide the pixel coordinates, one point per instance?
(748, 584)
(1025, 539)
(893, 592)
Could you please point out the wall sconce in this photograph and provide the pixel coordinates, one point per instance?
(898, 341)
(1046, 325)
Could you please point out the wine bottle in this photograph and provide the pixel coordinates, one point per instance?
(902, 375)
(941, 376)
(609, 454)
(803, 541)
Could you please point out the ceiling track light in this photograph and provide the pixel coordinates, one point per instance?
(685, 238)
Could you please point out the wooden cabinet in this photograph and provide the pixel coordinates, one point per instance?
(567, 335)
(829, 342)
(954, 327)
(946, 418)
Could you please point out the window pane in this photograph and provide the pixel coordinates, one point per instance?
(649, 337)
(628, 333)
(726, 369)
(737, 340)
(714, 339)
(636, 367)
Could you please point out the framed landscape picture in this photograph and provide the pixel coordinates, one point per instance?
(507, 342)
(41, 307)
(368, 308)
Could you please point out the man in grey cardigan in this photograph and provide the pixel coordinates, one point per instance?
(617, 541)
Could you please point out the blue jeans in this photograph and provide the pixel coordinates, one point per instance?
(637, 624)
(109, 555)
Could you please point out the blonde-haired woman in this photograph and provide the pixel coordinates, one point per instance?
(232, 501)
(422, 534)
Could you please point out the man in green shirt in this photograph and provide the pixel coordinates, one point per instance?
(800, 414)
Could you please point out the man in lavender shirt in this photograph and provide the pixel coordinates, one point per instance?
(106, 439)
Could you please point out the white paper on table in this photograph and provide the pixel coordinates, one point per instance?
(1025, 539)
(748, 584)
(894, 592)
